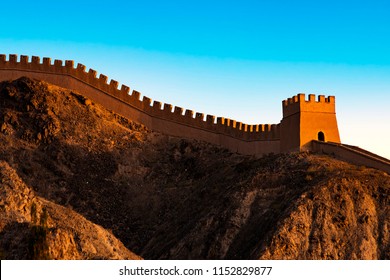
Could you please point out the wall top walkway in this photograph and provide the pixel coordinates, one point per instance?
(352, 154)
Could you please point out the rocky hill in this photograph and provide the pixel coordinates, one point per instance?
(74, 175)
(32, 227)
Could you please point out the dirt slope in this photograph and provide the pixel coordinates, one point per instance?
(171, 198)
(34, 228)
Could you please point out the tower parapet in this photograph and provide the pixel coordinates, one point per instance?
(298, 103)
(306, 120)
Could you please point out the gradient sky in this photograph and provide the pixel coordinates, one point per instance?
(237, 59)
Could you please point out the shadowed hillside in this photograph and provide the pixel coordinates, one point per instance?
(34, 228)
(173, 198)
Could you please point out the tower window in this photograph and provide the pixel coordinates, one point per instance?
(321, 136)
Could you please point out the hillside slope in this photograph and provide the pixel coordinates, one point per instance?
(171, 198)
(34, 228)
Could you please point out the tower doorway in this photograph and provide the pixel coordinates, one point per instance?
(321, 136)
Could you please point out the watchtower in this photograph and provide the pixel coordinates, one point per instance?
(306, 120)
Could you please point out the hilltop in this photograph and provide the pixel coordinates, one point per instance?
(170, 197)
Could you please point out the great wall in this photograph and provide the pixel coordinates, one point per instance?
(306, 125)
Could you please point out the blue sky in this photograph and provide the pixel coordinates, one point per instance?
(237, 59)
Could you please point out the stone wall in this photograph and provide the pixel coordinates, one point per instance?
(236, 136)
(354, 155)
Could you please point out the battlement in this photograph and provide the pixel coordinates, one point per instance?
(301, 98)
(299, 103)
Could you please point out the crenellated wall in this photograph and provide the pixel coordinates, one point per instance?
(298, 104)
(303, 120)
(236, 136)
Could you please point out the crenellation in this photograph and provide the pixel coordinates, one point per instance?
(228, 127)
(167, 108)
(331, 99)
(80, 72)
(226, 122)
(238, 132)
(147, 101)
(102, 83)
(220, 121)
(69, 64)
(189, 113)
(35, 60)
(264, 134)
(225, 125)
(92, 75)
(123, 94)
(135, 95)
(46, 62)
(114, 85)
(301, 98)
(58, 66)
(157, 105)
(261, 128)
(210, 119)
(103, 80)
(58, 63)
(24, 60)
(125, 89)
(199, 116)
(91, 78)
(13, 59)
(81, 67)
(35, 64)
(178, 111)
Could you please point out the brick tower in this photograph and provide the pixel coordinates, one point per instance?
(306, 120)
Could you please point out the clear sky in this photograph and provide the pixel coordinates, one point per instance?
(237, 59)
